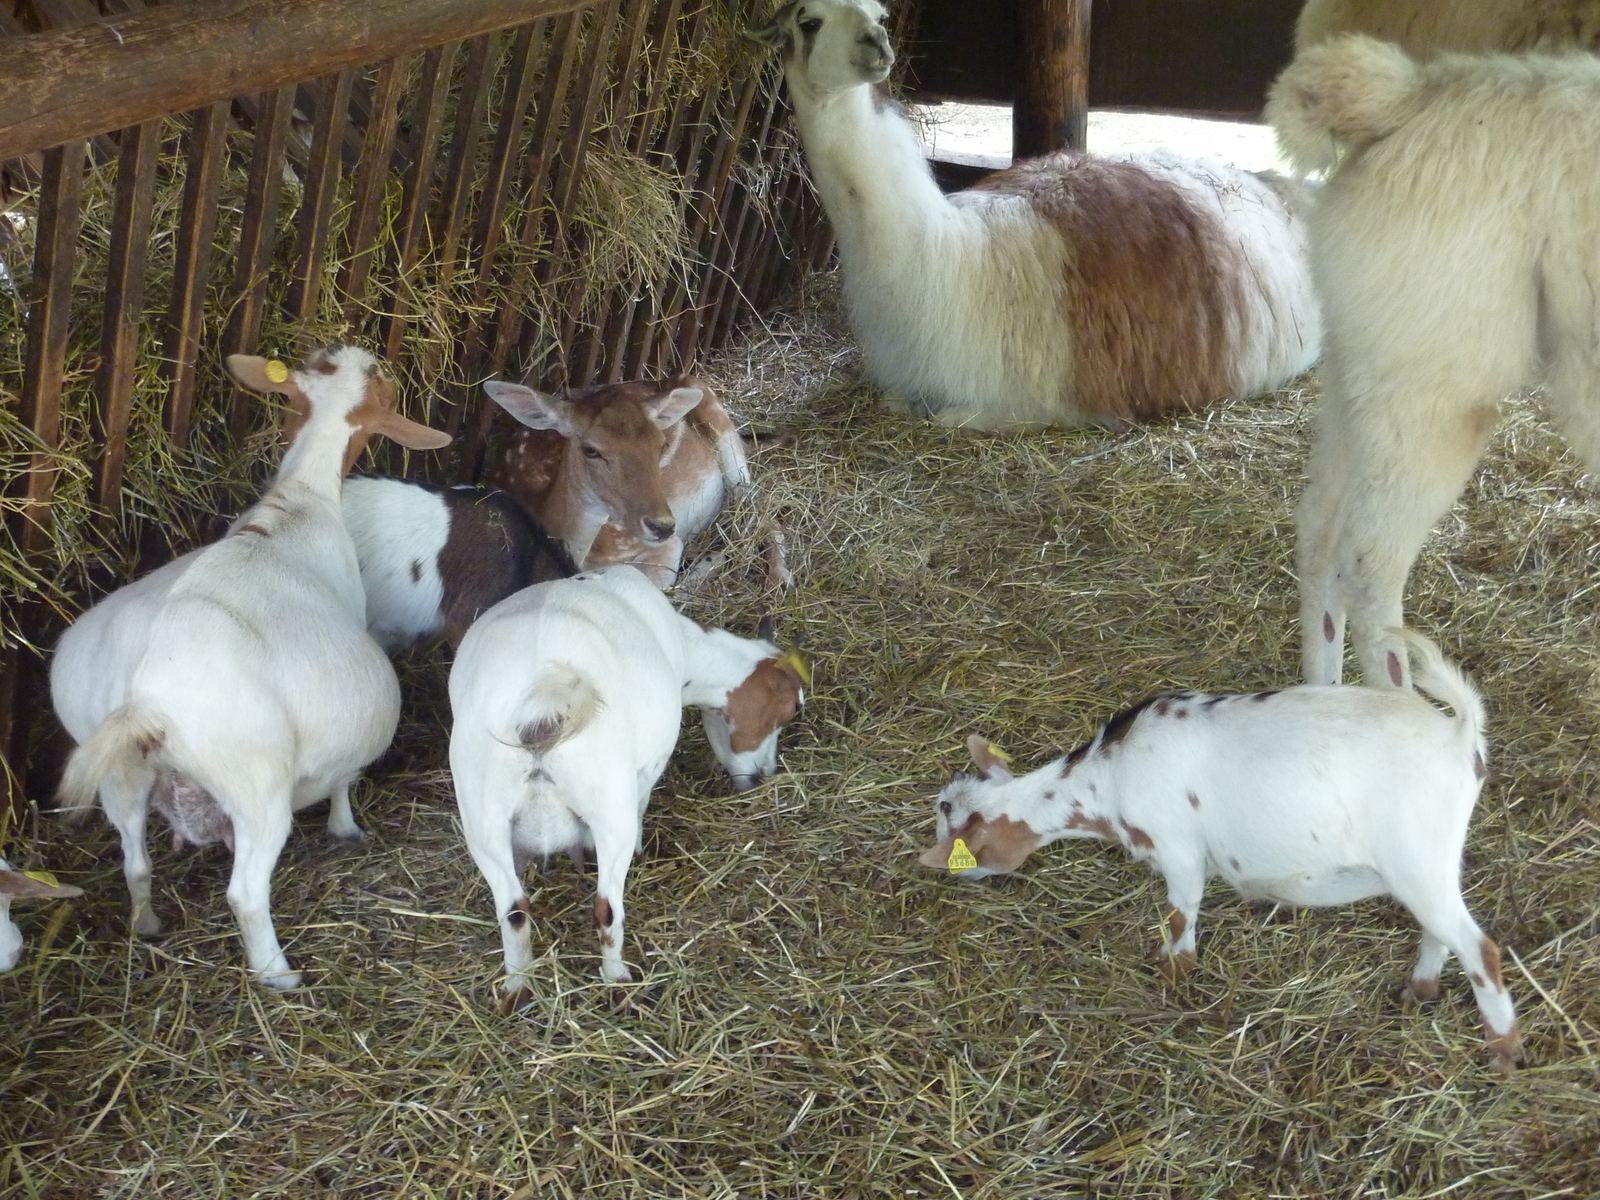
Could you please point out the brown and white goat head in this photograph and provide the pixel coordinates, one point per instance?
(744, 732)
(974, 841)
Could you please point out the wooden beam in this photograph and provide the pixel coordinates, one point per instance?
(1052, 106)
(126, 70)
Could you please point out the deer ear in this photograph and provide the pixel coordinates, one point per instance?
(989, 758)
(666, 411)
(534, 409)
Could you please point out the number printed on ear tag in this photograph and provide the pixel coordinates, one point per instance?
(961, 859)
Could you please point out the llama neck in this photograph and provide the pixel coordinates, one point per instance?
(868, 168)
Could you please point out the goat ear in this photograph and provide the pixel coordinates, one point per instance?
(666, 411)
(988, 758)
(18, 885)
(408, 433)
(260, 374)
(534, 409)
(1001, 845)
(937, 857)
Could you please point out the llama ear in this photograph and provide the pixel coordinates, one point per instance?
(774, 34)
(534, 409)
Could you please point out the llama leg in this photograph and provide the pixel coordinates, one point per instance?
(1574, 392)
(260, 828)
(1322, 605)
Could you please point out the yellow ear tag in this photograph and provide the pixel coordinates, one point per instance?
(998, 753)
(961, 858)
(43, 877)
(276, 371)
(796, 663)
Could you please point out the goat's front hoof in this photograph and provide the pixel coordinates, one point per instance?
(280, 981)
(1504, 1050)
(1175, 968)
(1416, 992)
(512, 1000)
(346, 838)
(147, 925)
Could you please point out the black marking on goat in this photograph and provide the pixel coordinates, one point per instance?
(416, 570)
(519, 916)
(1213, 701)
(1076, 757)
(1194, 801)
(1327, 627)
(603, 916)
(1118, 727)
(1267, 695)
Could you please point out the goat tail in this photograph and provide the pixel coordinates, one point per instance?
(119, 750)
(1342, 94)
(557, 706)
(1444, 681)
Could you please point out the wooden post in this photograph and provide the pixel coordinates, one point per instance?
(1052, 106)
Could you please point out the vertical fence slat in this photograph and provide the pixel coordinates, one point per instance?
(437, 66)
(471, 107)
(258, 238)
(372, 176)
(60, 198)
(124, 305)
(197, 226)
(322, 182)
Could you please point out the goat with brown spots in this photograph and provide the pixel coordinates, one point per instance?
(567, 698)
(1309, 796)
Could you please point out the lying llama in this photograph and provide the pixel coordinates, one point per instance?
(622, 472)
(1426, 27)
(1311, 795)
(1455, 248)
(259, 685)
(1069, 289)
(567, 698)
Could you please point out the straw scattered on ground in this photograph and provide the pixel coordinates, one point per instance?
(817, 1016)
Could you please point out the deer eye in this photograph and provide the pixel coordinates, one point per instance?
(591, 452)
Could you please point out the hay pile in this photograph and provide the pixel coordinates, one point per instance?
(818, 1016)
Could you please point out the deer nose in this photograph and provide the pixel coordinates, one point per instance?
(660, 530)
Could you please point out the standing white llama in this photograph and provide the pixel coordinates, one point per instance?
(1066, 290)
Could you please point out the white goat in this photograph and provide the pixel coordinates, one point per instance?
(23, 885)
(1456, 248)
(259, 686)
(1312, 796)
(622, 472)
(1425, 27)
(567, 698)
(1068, 289)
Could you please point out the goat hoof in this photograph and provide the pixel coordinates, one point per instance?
(281, 981)
(1418, 992)
(353, 836)
(513, 1000)
(1177, 967)
(1505, 1051)
(147, 925)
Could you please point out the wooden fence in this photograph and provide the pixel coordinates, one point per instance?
(451, 181)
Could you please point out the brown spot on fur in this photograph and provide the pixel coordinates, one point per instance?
(540, 736)
(1137, 837)
(416, 570)
(1234, 863)
(1396, 676)
(1176, 923)
(1504, 1049)
(1327, 627)
(999, 844)
(321, 360)
(149, 744)
(1152, 285)
(521, 914)
(1163, 706)
(602, 913)
(1181, 713)
(492, 549)
(1176, 966)
(1420, 991)
(1491, 961)
(1119, 726)
(1194, 801)
(1479, 767)
(768, 699)
(1074, 758)
(1099, 826)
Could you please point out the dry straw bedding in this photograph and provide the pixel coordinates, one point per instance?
(818, 1016)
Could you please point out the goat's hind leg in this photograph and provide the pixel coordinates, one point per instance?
(127, 807)
(261, 822)
(342, 825)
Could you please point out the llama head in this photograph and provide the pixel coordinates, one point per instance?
(829, 45)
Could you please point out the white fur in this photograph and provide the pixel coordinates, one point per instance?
(393, 524)
(1456, 246)
(567, 699)
(1309, 796)
(1426, 27)
(14, 885)
(259, 683)
(958, 301)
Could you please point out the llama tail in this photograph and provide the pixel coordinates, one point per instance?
(1340, 95)
(1444, 681)
(120, 750)
(557, 706)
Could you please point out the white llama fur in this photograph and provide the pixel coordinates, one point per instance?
(1046, 295)
(1426, 27)
(1456, 248)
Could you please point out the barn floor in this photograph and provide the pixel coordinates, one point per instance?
(817, 1015)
